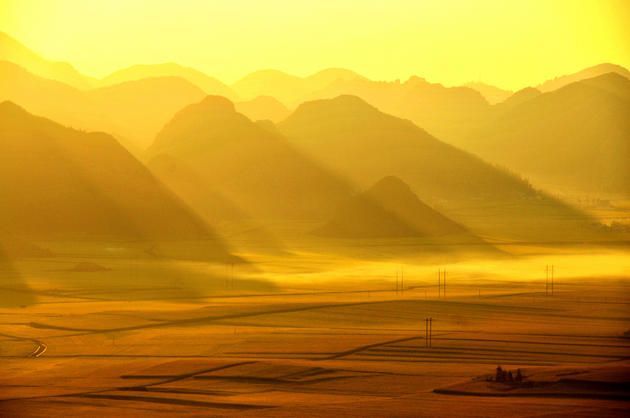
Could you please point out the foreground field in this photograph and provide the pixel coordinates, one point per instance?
(309, 334)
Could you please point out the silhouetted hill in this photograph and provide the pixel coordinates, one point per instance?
(574, 139)
(13, 51)
(491, 93)
(263, 108)
(447, 112)
(142, 107)
(209, 85)
(388, 209)
(251, 167)
(590, 72)
(333, 130)
(288, 88)
(521, 96)
(324, 78)
(52, 99)
(612, 83)
(362, 143)
(269, 83)
(59, 182)
(133, 111)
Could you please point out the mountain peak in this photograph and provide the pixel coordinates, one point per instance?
(520, 96)
(8, 106)
(390, 184)
(217, 104)
(388, 209)
(344, 102)
(414, 79)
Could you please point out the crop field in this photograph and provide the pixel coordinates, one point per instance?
(115, 334)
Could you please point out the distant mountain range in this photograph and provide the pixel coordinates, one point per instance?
(209, 85)
(13, 51)
(132, 111)
(288, 88)
(347, 132)
(590, 72)
(446, 112)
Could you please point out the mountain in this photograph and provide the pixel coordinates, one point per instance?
(498, 110)
(388, 209)
(133, 111)
(251, 167)
(590, 72)
(142, 107)
(209, 85)
(52, 99)
(59, 182)
(263, 108)
(492, 94)
(521, 96)
(361, 143)
(13, 51)
(192, 187)
(288, 88)
(446, 112)
(574, 139)
(326, 77)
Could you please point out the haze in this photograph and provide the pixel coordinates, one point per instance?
(282, 209)
(453, 42)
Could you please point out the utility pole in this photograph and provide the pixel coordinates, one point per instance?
(552, 280)
(444, 282)
(428, 332)
(439, 283)
(546, 279)
(402, 279)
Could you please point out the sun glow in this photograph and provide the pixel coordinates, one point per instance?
(508, 44)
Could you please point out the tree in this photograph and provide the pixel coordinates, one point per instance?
(499, 375)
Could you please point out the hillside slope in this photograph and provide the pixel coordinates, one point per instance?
(253, 168)
(59, 182)
(388, 209)
(363, 144)
(574, 139)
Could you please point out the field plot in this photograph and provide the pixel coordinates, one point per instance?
(316, 336)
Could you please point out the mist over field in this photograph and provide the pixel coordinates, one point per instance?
(314, 208)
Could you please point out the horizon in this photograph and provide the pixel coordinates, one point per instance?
(567, 36)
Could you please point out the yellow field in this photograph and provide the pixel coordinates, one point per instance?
(305, 332)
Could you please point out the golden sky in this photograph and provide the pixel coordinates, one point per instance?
(508, 43)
